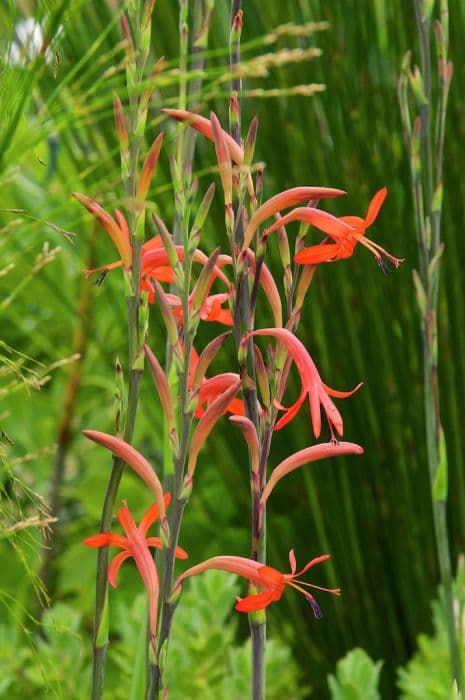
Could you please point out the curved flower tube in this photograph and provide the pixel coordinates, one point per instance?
(345, 231)
(272, 581)
(312, 385)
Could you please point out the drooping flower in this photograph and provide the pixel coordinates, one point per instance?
(305, 456)
(312, 386)
(284, 200)
(136, 545)
(272, 581)
(155, 262)
(345, 231)
(139, 464)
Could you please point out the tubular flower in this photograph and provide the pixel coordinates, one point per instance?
(208, 390)
(312, 386)
(212, 388)
(204, 127)
(272, 581)
(155, 263)
(210, 310)
(346, 232)
(136, 544)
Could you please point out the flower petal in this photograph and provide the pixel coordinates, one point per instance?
(115, 566)
(254, 602)
(106, 539)
(375, 205)
(152, 514)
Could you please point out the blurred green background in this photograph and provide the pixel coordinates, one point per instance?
(372, 513)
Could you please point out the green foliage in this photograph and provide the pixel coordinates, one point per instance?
(356, 677)
(53, 664)
(427, 674)
(203, 659)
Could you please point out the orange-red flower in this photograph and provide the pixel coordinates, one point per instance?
(312, 386)
(345, 231)
(136, 544)
(272, 581)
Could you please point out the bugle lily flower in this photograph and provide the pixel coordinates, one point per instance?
(272, 581)
(312, 386)
(345, 231)
(136, 544)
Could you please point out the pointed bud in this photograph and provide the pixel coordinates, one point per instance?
(170, 249)
(247, 428)
(207, 355)
(111, 227)
(163, 389)
(233, 110)
(204, 282)
(249, 147)
(208, 422)
(417, 87)
(126, 32)
(203, 209)
(135, 460)
(305, 281)
(148, 169)
(223, 158)
(168, 317)
(236, 29)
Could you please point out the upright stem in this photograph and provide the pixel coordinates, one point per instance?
(183, 168)
(244, 322)
(427, 188)
(137, 53)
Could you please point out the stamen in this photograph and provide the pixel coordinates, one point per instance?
(334, 591)
(315, 607)
(384, 266)
(101, 278)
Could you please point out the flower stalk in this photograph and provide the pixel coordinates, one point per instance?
(130, 134)
(425, 148)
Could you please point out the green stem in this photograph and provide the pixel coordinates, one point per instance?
(135, 353)
(423, 25)
(429, 248)
(185, 151)
(243, 318)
